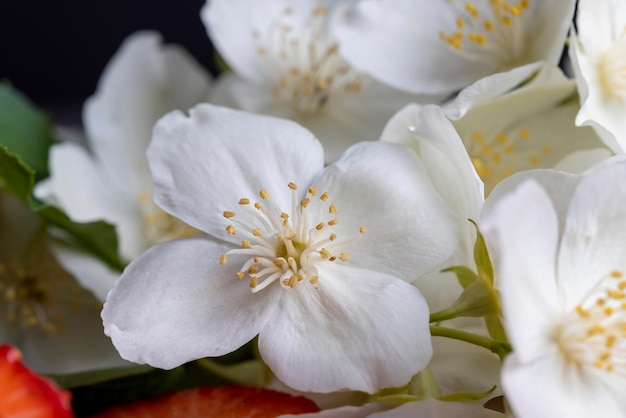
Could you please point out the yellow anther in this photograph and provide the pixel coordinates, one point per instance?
(222, 259)
(496, 158)
(622, 285)
(332, 208)
(258, 205)
(478, 137)
(583, 313)
(608, 311)
(534, 160)
(305, 202)
(486, 150)
(319, 226)
(361, 229)
(313, 191)
(245, 243)
(344, 256)
(460, 22)
(546, 150)
(253, 270)
(261, 51)
(279, 262)
(314, 280)
(256, 259)
(599, 364)
(610, 340)
(324, 253)
(254, 281)
(524, 134)
(615, 294)
(264, 194)
(292, 186)
(600, 302)
(231, 230)
(229, 214)
(284, 215)
(332, 237)
(471, 9)
(319, 11)
(488, 25)
(501, 138)
(299, 277)
(257, 232)
(516, 10)
(332, 222)
(510, 149)
(616, 274)
(595, 329)
(244, 201)
(481, 169)
(324, 196)
(506, 20)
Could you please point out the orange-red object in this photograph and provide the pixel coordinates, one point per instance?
(215, 401)
(25, 394)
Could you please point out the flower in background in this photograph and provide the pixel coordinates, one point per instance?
(559, 256)
(45, 313)
(111, 181)
(324, 254)
(439, 47)
(24, 394)
(287, 64)
(598, 53)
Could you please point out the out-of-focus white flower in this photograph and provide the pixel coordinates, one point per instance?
(559, 256)
(434, 47)
(143, 81)
(598, 53)
(44, 312)
(287, 64)
(323, 253)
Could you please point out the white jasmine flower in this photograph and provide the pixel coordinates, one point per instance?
(559, 256)
(143, 81)
(54, 321)
(598, 54)
(433, 47)
(287, 64)
(310, 259)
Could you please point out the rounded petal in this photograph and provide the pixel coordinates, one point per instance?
(563, 391)
(175, 303)
(522, 239)
(384, 187)
(204, 163)
(357, 330)
(579, 161)
(141, 83)
(593, 242)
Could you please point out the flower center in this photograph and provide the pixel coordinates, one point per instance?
(160, 226)
(594, 333)
(287, 247)
(612, 70)
(306, 65)
(497, 157)
(495, 30)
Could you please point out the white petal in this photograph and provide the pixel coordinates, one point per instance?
(547, 29)
(432, 408)
(203, 164)
(89, 271)
(600, 23)
(364, 411)
(593, 242)
(142, 82)
(522, 236)
(175, 303)
(383, 186)
(549, 387)
(428, 131)
(358, 330)
(579, 161)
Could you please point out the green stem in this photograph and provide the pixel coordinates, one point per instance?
(501, 348)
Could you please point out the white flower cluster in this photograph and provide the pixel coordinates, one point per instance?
(354, 266)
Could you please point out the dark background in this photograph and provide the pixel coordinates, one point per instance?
(55, 50)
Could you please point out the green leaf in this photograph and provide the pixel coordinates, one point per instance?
(25, 130)
(98, 238)
(481, 257)
(15, 176)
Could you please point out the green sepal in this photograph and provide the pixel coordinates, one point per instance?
(478, 299)
(25, 130)
(15, 176)
(481, 257)
(466, 396)
(424, 385)
(464, 275)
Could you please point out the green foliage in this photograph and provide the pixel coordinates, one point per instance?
(25, 130)
(15, 176)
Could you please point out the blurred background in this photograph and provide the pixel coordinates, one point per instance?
(55, 50)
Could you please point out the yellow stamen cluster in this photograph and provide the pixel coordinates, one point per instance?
(307, 66)
(285, 247)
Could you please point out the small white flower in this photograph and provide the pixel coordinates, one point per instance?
(598, 55)
(44, 312)
(437, 46)
(287, 64)
(560, 256)
(309, 258)
(143, 81)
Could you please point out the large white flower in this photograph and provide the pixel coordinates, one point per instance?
(143, 81)
(287, 64)
(310, 259)
(437, 46)
(598, 55)
(44, 311)
(560, 257)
